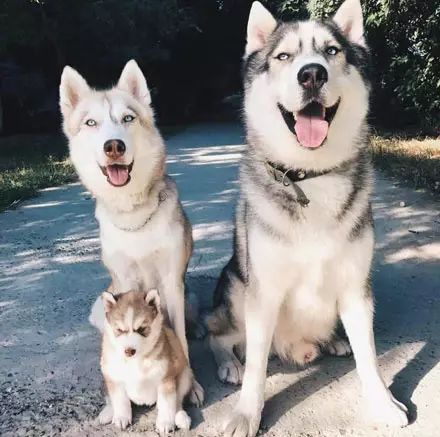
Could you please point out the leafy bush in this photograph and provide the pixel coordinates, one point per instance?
(404, 36)
(191, 52)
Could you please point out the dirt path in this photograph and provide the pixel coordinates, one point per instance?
(50, 274)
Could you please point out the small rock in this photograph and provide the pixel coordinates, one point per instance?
(402, 204)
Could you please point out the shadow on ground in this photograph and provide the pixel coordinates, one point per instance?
(51, 274)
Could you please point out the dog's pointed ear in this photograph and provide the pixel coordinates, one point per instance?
(108, 300)
(152, 298)
(261, 24)
(350, 20)
(73, 88)
(133, 81)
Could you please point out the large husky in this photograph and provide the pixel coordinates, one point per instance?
(304, 233)
(120, 157)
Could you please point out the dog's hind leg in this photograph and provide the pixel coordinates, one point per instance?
(227, 334)
(337, 346)
(229, 367)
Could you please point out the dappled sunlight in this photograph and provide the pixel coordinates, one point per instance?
(206, 264)
(50, 252)
(73, 258)
(209, 155)
(71, 337)
(43, 205)
(51, 273)
(55, 189)
(426, 252)
(207, 176)
(213, 231)
(406, 230)
(6, 303)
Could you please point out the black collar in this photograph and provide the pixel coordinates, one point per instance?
(291, 176)
(284, 174)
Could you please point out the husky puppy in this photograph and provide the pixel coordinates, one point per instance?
(142, 361)
(119, 155)
(304, 234)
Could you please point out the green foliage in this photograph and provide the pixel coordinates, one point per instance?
(323, 9)
(404, 37)
(414, 65)
(191, 51)
(288, 9)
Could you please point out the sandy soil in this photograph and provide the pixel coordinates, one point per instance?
(50, 274)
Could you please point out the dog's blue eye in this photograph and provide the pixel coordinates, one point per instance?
(128, 118)
(283, 56)
(90, 122)
(332, 50)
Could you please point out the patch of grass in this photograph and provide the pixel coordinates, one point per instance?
(414, 161)
(29, 163)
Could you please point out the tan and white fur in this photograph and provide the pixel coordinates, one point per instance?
(297, 269)
(143, 362)
(145, 236)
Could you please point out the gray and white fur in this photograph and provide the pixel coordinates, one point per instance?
(303, 240)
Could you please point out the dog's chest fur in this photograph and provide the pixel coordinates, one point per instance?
(297, 249)
(140, 376)
(316, 231)
(137, 248)
(138, 244)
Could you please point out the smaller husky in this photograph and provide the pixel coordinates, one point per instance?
(142, 361)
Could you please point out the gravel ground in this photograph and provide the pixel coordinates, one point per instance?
(50, 274)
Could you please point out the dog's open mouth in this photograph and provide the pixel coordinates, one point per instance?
(118, 175)
(311, 124)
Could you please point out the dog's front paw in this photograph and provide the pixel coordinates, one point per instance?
(196, 394)
(389, 411)
(242, 425)
(231, 372)
(165, 425)
(121, 422)
(106, 415)
(183, 421)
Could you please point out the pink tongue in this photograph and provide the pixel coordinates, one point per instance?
(117, 175)
(311, 131)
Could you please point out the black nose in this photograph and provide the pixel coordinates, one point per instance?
(114, 149)
(312, 76)
(129, 352)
